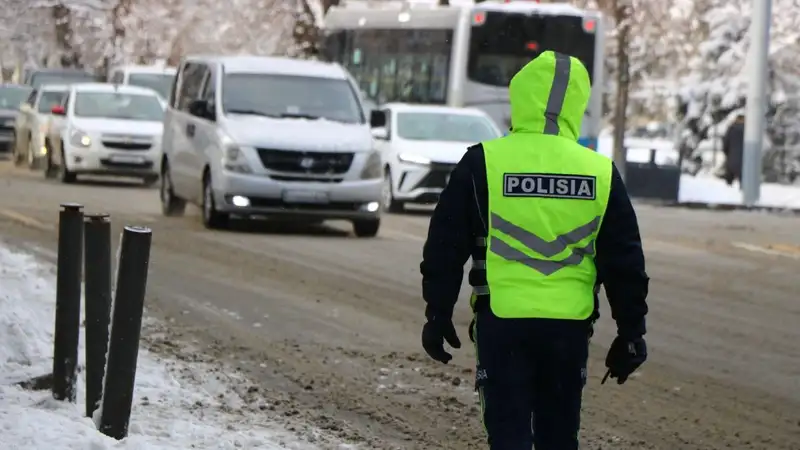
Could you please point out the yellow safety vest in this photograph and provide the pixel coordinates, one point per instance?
(547, 199)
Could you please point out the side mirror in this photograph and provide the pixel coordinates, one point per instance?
(377, 119)
(58, 110)
(380, 133)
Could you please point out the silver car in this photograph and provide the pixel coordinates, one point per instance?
(261, 136)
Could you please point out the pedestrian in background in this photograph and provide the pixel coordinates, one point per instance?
(733, 149)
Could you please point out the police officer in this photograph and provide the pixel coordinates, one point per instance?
(546, 222)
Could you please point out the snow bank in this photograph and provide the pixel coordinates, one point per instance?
(704, 188)
(170, 411)
(714, 191)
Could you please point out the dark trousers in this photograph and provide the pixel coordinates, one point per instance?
(530, 377)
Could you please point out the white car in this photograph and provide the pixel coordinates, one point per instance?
(421, 145)
(105, 129)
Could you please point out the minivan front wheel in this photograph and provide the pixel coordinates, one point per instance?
(366, 228)
(171, 204)
(212, 219)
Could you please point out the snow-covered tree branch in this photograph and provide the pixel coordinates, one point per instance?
(95, 34)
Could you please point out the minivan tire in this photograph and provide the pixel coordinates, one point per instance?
(171, 204)
(64, 174)
(212, 219)
(366, 228)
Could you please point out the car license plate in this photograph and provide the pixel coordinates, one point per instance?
(296, 196)
(127, 159)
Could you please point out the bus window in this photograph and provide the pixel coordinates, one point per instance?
(505, 42)
(399, 65)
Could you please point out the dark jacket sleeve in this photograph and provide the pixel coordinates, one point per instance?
(450, 241)
(620, 262)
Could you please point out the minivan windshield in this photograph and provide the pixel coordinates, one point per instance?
(159, 82)
(115, 105)
(287, 96)
(426, 126)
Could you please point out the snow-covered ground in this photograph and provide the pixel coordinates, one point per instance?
(177, 405)
(705, 187)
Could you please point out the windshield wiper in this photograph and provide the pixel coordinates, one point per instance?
(251, 112)
(299, 116)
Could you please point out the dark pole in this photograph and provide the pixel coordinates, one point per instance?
(68, 301)
(97, 281)
(126, 324)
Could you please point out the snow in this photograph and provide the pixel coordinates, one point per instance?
(714, 191)
(177, 405)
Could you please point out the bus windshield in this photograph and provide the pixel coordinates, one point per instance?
(505, 42)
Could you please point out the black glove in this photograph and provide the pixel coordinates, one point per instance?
(624, 357)
(437, 329)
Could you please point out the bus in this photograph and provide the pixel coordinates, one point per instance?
(461, 55)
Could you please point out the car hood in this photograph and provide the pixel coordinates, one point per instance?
(299, 134)
(117, 126)
(447, 152)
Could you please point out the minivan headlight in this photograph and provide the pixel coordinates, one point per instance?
(373, 166)
(234, 160)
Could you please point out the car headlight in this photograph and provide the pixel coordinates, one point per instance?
(414, 159)
(373, 166)
(80, 138)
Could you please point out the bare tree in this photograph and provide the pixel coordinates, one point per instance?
(62, 17)
(622, 17)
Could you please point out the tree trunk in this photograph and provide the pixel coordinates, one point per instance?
(622, 17)
(119, 13)
(62, 17)
(306, 35)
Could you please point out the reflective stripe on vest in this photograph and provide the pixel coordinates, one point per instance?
(546, 248)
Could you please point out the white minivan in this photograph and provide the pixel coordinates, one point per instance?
(276, 137)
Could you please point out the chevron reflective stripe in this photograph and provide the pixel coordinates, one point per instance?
(480, 242)
(548, 249)
(479, 264)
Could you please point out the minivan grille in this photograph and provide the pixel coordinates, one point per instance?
(327, 163)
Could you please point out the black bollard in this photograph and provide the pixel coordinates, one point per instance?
(126, 325)
(97, 303)
(68, 301)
